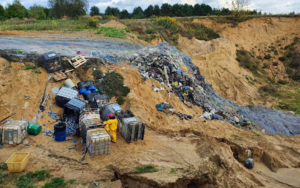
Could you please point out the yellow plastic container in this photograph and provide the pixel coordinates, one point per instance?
(17, 161)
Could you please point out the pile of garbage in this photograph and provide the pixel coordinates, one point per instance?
(175, 69)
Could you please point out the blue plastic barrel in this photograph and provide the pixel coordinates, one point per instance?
(87, 92)
(82, 90)
(60, 132)
(215, 116)
(91, 88)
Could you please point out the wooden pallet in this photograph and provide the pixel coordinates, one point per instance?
(58, 76)
(77, 61)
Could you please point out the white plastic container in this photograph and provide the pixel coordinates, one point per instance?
(101, 140)
(14, 132)
(88, 124)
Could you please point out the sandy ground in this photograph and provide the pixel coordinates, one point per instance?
(204, 153)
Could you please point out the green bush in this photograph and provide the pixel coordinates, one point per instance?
(3, 166)
(93, 22)
(267, 56)
(282, 59)
(268, 89)
(56, 183)
(266, 66)
(112, 85)
(2, 178)
(282, 82)
(295, 77)
(97, 74)
(28, 179)
(120, 100)
(295, 63)
(247, 61)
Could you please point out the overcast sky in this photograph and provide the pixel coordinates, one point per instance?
(269, 6)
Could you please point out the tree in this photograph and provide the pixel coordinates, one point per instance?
(138, 13)
(70, 8)
(177, 10)
(94, 11)
(225, 11)
(239, 9)
(124, 14)
(47, 11)
(115, 12)
(2, 12)
(187, 10)
(16, 10)
(37, 12)
(206, 9)
(156, 10)
(197, 10)
(149, 11)
(108, 11)
(166, 9)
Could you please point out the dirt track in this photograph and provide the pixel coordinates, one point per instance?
(205, 153)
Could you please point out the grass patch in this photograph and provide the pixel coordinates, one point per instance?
(2, 178)
(290, 99)
(3, 166)
(72, 181)
(112, 84)
(57, 182)
(173, 171)
(29, 179)
(39, 25)
(28, 67)
(145, 168)
(112, 32)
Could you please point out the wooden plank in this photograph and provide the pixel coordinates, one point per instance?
(77, 61)
(45, 100)
(58, 76)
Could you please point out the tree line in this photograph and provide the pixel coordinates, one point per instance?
(176, 10)
(76, 8)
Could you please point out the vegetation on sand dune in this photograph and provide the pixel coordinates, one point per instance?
(112, 32)
(57, 182)
(145, 168)
(112, 84)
